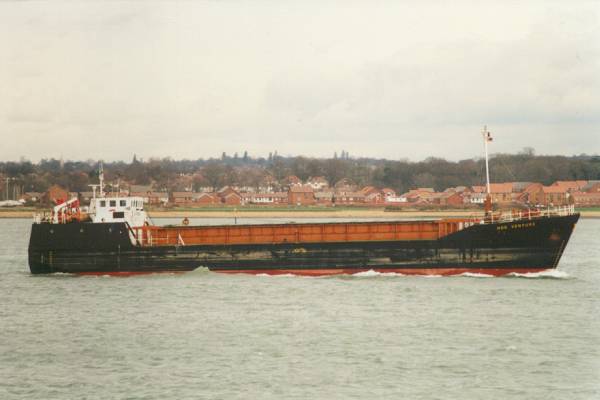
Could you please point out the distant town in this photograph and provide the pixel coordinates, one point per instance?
(242, 181)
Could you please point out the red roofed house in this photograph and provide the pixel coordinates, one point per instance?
(324, 198)
(157, 197)
(583, 199)
(181, 198)
(229, 195)
(301, 195)
(570, 186)
(500, 192)
(208, 199)
(292, 180)
(532, 194)
(232, 199)
(555, 195)
(372, 195)
(317, 182)
(349, 198)
(419, 195)
(591, 187)
(389, 196)
(548, 195)
(449, 198)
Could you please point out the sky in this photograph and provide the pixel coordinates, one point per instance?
(387, 79)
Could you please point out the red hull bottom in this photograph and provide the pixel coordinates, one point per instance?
(346, 271)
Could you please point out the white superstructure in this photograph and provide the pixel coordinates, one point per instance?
(118, 209)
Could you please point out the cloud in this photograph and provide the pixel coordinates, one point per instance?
(390, 79)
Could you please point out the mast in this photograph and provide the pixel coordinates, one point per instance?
(487, 137)
(101, 177)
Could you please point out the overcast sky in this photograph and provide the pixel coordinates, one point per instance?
(104, 80)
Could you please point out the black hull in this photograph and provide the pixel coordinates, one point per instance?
(86, 248)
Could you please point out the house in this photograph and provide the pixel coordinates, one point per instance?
(207, 199)
(531, 194)
(157, 198)
(231, 198)
(448, 199)
(268, 198)
(475, 198)
(301, 195)
(180, 198)
(372, 195)
(345, 185)
(499, 192)
(143, 195)
(459, 189)
(585, 199)
(591, 187)
(537, 194)
(570, 186)
(140, 189)
(31, 197)
(318, 183)
(390, 196)
(555, 195)
(324, 198)
(519, 187)
(292, 180)
(267, 184)
(349, 198)
(419, 195)
(226, 190)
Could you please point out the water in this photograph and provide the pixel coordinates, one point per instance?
(208, 336)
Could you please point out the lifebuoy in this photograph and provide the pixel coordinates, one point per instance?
(185, 221)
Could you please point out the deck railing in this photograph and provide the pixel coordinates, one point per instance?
(528, 214)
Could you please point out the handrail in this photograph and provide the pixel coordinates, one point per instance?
(536, 213)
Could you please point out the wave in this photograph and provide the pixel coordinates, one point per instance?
(476, 275)
(371, 273)
(59, 275)
(278, 275)
(546, 274)
(199, 271)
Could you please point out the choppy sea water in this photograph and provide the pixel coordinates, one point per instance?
(203, 335)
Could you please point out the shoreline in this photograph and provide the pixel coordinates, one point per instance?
(346, 213)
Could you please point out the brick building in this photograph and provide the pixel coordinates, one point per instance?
(301, 195)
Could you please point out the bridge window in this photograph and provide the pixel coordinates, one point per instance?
(118, 214)
(113, 203)
(122, 203)
(102, 203)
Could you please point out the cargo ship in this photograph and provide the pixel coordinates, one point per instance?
(116, 237)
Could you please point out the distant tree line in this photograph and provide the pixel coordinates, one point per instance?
(244, 170)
